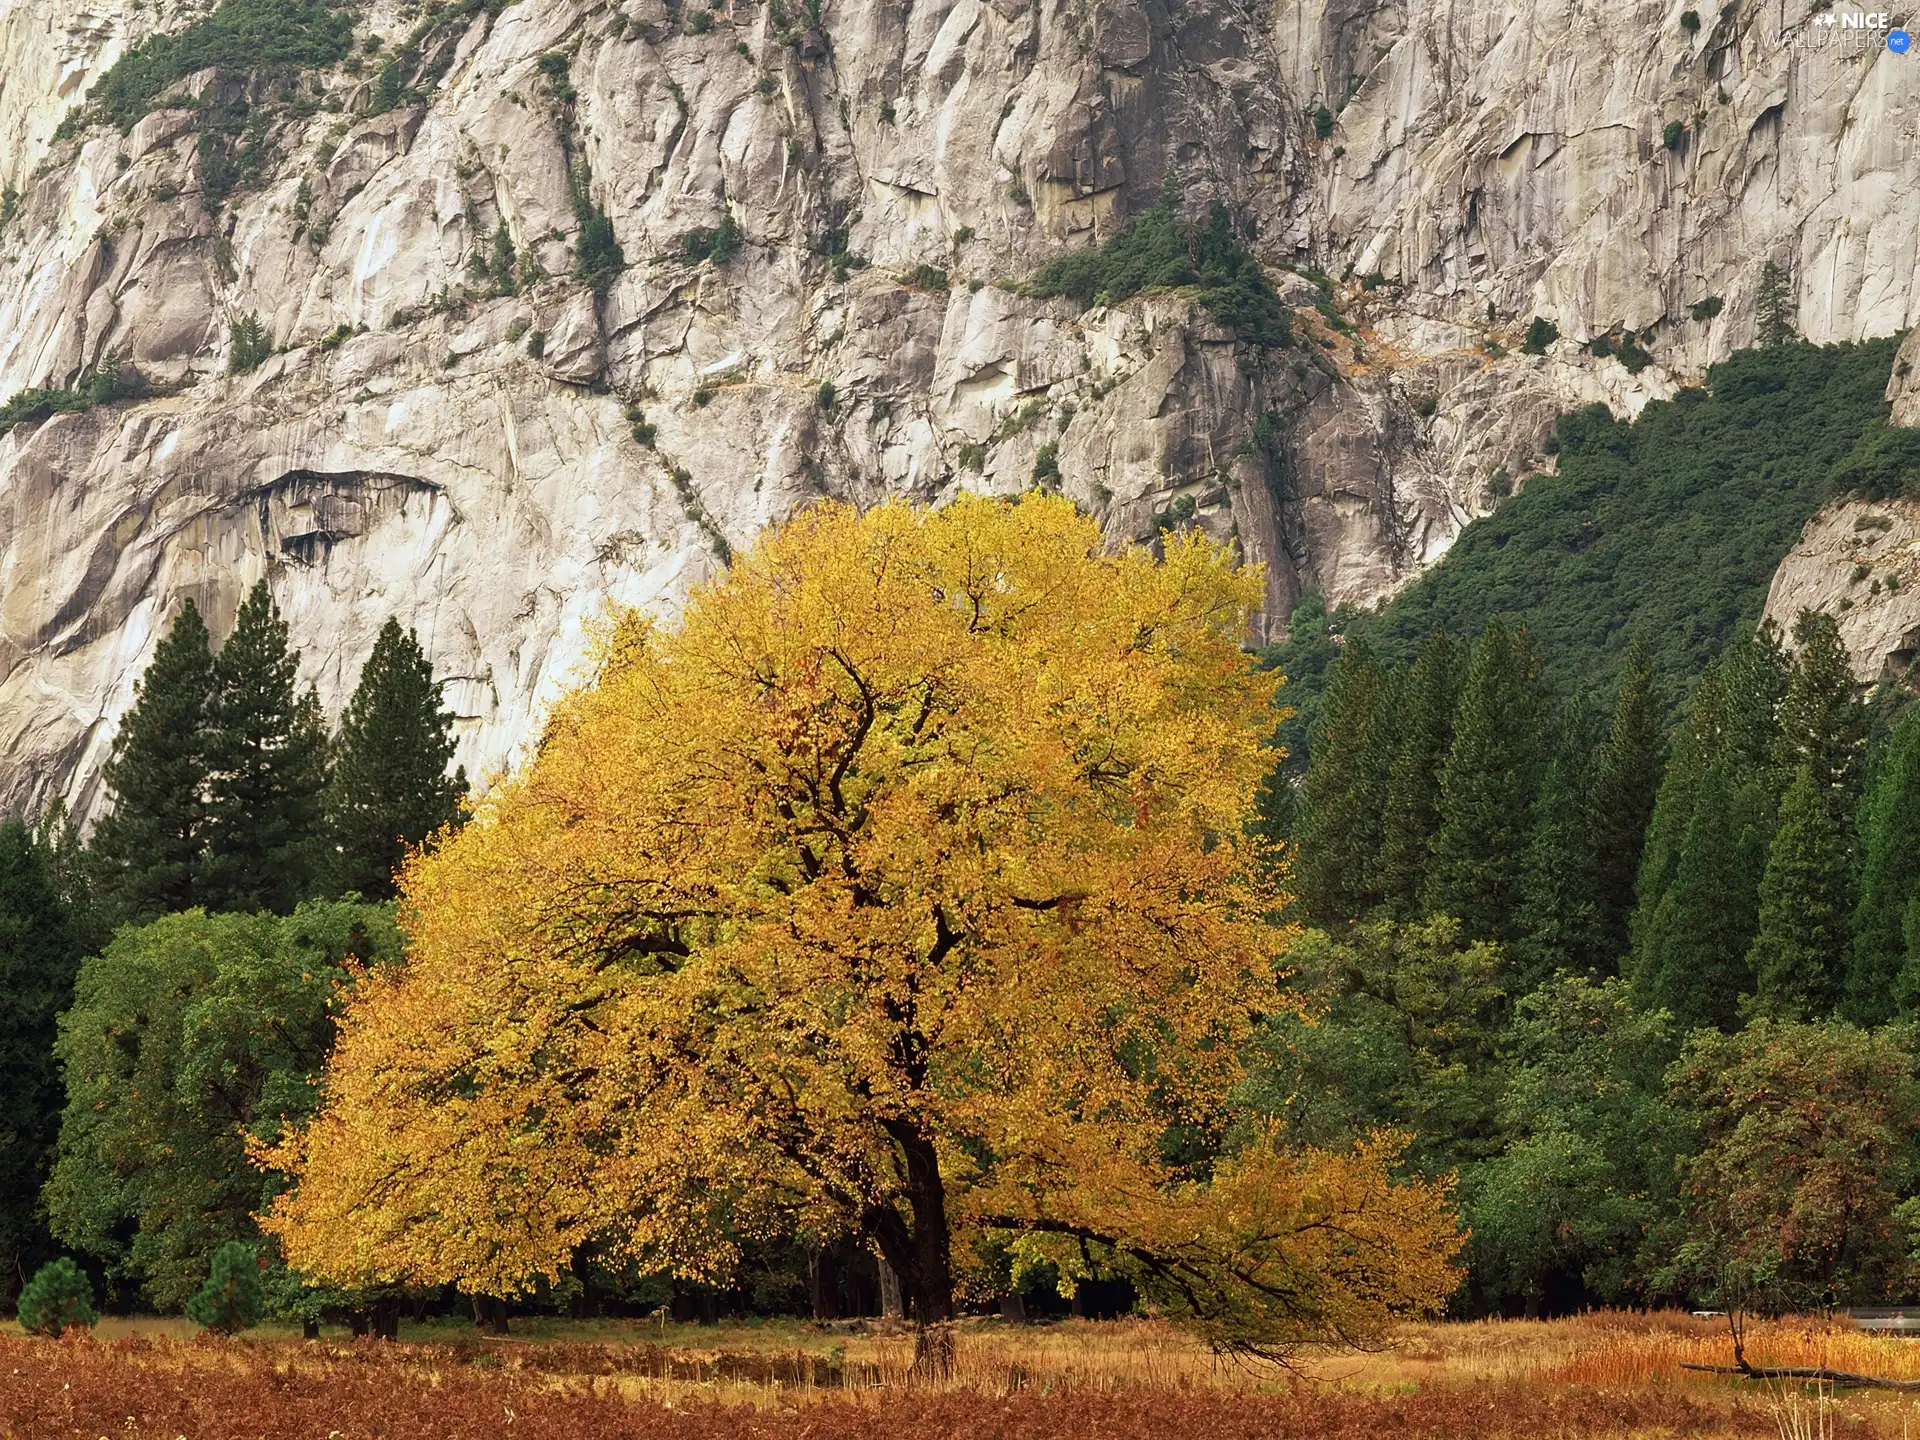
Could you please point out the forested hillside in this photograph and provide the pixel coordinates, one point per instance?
(1666, 528)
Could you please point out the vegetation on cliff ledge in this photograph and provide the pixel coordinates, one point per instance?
(1162, 251)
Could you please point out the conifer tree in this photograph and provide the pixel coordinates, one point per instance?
(1822, 723)
(1559, 908)
(38, 961)
(148, 846)
(1339, 816)
(1690, 941)
(1877, 977)
(1487, 789)
(1628, 779)
(1776, 307)
(266, 756)
(1802, 937)
(1696, 749)
(1756, 673)
(389, 786)
(1691, 955)
(1423, 733)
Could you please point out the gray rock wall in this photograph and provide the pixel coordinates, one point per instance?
(407, 452)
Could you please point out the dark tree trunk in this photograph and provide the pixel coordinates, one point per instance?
(860, 1281)
(490, 1314)
(1013, 1306)
(922, 1254)
(309, 1329)
(823, 1272)
(386, 1320)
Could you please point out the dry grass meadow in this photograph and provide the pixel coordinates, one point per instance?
(1595, 1376)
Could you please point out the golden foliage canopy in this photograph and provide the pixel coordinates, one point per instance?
(900, 890)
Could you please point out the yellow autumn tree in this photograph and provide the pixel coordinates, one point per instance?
(900, 890)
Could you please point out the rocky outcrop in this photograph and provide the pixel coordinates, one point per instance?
(457, 427)
(1860, 563)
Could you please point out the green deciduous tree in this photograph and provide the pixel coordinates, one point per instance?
(1803, 1148)
(1487, 788)
(266, 757)
(388, 787)
(148, 845)
(38, 959)
(187, 1036)
(1401, 1030)
(1571, 1209)
(1879, 975)
(1802, 940)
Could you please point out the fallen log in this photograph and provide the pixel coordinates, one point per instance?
(1848, 1378)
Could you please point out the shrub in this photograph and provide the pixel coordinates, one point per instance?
(1704, 310)
(700, 22)
(719, 244)
(927, 277)
(58, 1298)
(237, 35)
(643, 433)
(598, 258)
(826, 396)
(963, 235)
(1690, 21)
(537, 344)
(1540, 334)
(1162, 251)
(248, 345)
(1322, 120)
(232, 1299)
(1046, 466)
(1425, 406)
(1673, 134)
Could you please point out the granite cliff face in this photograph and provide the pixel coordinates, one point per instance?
(446, 431)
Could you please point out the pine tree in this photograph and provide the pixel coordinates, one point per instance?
(1822, 723)
(1424, 731)
(1631, 765)
(59, 1298)
(1802, 939)
(1690, 957)
(266, 756)
(1339, 816)
(1776, 308)
(1559, 909)
(148, 847)
(389, 788)
(233, 1299)
(38, 961)
(1487, 789)
(1688, 948)
(1877, 978)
